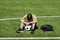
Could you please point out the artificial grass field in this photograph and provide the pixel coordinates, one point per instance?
(18, 8)
(31, 39)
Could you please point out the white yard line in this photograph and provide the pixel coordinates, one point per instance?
(48, 17)
(37, 17)
(33, 38)
(9, 18)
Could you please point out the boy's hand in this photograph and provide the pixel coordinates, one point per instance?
(27, 23)
(32, 22)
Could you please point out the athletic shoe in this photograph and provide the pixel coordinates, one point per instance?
(19, 30)
(32, 32)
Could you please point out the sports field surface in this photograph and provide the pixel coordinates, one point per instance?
(18, 8)
(31, 39)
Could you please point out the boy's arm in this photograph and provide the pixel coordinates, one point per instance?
(23, 19)
(34, 19)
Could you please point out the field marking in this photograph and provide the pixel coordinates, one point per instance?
(34, 38)
(37, 17)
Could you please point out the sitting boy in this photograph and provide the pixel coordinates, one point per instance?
(28, 19)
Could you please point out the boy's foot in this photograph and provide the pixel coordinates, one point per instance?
(19, 30)
(32, 32)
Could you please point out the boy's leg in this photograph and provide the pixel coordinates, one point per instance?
(32, 28)
(21, 28)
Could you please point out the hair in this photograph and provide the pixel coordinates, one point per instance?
(29, 16)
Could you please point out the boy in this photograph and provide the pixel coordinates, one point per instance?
(28, 19)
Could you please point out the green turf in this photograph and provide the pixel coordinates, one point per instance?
(30, 39)
(18, 8)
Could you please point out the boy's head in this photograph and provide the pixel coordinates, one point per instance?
(29, 16)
